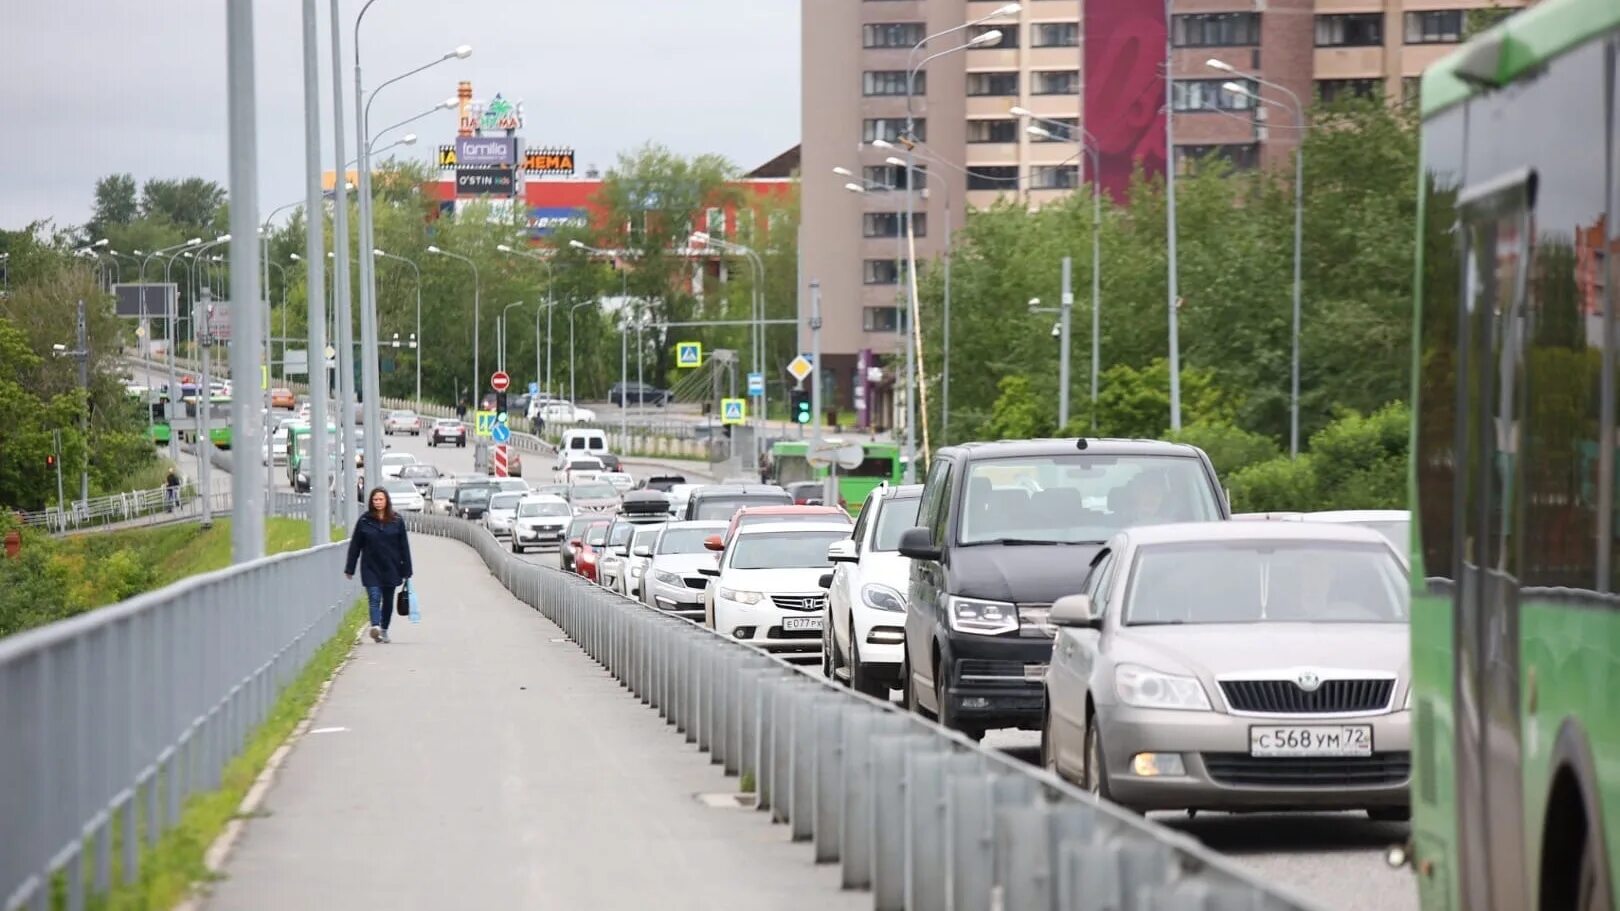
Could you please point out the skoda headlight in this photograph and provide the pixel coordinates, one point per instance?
(741, 597)
(1149, 689)
(669, 578)
(986, 618)
(882, 597)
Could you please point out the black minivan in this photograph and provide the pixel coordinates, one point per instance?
(1007, 528)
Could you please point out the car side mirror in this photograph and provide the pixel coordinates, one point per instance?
(710, 571)
(643, 550)
(825, 581)
(714, 543)
(917, 544)
(1075, 610)
(573, 542)
(841, 552)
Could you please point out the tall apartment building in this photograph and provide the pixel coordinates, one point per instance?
(854, 91)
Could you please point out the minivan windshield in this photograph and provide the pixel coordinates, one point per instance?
(1070, 499)
(1266, 582)
(724, 508)
(592, 492)
(897, 515)
(784, 550)
(505, 501)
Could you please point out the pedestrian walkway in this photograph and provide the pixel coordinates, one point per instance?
(483, 761)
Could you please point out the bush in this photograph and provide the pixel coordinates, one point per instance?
(1279, 485)
(1355, 462)
(1229, 447)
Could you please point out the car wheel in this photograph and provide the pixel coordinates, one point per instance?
(829, 643)
(861, 678)
(1095, 777)
(1389, 814)
(909, 688)
(947, 717)
(516, 549)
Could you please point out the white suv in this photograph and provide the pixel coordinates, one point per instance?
(865, 632)
(767, 588)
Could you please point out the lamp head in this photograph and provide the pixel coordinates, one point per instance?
(576, 245)
(295, 257)
(1237, 88)
(462, 52)
(882, 144)
(100, 243)
(409, 139)
(701, 237)
(192, 242)
(1019, 111)
(1221, 65)
(842, 171)
(447, 104)
(377, 252)
(503, 248)
(1037, 130)
(896, 161)
(223, 238)
(980, 40)
(1010, 9)
(854, 188)
(433, 249)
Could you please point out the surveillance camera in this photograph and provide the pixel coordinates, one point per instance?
(58, 347)
(1057, 330)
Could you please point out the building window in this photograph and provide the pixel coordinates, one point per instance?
(1054, 34)
(1443, 26)
(1350, 30)
(1334, 89)
(992, 131)
(980, 84)
(881, 319)
(1054, 177)
(890, 82)
(892, 34)
(891, 224)
(1009, 35)
(1061, 129)
(714, 223)
(881, 271)
(1055, 82)
(992, 177)
(1241, 156)
(885, 176)
(891, 129)
(1216, 30)
(1209, 95)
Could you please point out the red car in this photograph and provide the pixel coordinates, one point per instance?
(757, 515)
(588, 549)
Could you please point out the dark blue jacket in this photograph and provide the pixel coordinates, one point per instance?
(387, 552)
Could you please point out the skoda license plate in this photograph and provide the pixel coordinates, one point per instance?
(794, 623)
(1311, 740)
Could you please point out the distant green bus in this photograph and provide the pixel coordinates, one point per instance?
(1515, 554)
(219, 420)
(881, 463)
(299, 439)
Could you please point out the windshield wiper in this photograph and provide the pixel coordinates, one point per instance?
(1020, 542)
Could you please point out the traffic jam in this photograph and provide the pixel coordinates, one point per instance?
(1171, 655)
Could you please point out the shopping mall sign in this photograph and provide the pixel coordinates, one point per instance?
(544, 220)
(548, 161)
(496, 114)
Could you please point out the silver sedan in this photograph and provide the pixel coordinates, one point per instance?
(1236, 666)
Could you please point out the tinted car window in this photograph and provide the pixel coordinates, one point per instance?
(787, 550)
(718, 508)
(1242, 582)
(505, 500)
(473, 495)
(530, 510)
(597, 536)
(897, 515)
(1073, 498)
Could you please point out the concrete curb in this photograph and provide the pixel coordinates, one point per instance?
(219, 851)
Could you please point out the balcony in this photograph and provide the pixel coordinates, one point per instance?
(1349, 62)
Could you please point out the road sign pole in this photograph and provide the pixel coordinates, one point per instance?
(815, 360)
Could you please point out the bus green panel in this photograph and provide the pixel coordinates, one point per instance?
(1434, 792)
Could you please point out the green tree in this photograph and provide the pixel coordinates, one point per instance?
(115, 204)
(190, 203)
(1017, 414)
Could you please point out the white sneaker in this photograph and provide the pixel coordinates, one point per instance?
(385, 636)
(376, 634)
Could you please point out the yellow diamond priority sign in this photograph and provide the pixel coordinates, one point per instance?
(799, 367)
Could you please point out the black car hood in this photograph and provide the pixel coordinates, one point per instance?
(1021, 574)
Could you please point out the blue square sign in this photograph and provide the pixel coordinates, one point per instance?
(756, 384)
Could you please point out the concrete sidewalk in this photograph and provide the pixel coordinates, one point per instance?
(479, 761)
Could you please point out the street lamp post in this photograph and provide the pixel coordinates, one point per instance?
(477, 296)
(320, 502)
(343, 315)
(624, 341)
(1298, 111)
(500, 329)
(757, 330)
(913, 332)
(573, 396)
(550, 281)
(418, 355)
(1172, 276)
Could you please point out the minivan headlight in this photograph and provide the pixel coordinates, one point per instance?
(741, 597)
(882, 597)
(1149, 689)
(984, 618)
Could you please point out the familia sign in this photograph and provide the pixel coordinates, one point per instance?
(495, 114)
(486, 151)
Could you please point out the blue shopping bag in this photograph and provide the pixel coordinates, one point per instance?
(416, 603)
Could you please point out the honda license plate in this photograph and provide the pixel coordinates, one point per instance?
(1311, 740)
(797, 623)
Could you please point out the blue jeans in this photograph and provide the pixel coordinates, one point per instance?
(381, 598)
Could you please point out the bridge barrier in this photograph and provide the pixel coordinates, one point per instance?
(111, 719)
(924, 818)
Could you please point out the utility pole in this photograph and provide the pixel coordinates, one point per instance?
(82, 352)
(320, 487)
(56, 439)
(1173, 293)
(815, 364)
(205, 405)
(1066, 311)
(945, 370)
(343, 314)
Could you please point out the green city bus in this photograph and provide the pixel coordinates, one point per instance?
(298, 454)
(881, 462)
(219, 420)
(1515, 557)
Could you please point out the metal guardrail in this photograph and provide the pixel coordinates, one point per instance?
(112, 718)
(922, 817)
(137, 507)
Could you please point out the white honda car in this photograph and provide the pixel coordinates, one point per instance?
(865, 633)
(768, 586)
(392, 462)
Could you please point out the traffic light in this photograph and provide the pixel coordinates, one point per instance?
(799, 400)
(50, 460)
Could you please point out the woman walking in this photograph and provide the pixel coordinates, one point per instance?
(384, 552)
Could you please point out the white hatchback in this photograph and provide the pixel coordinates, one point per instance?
(866, 601)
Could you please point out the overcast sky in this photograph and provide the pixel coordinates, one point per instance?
(92, 87)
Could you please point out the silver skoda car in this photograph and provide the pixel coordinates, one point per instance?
(1236, 666)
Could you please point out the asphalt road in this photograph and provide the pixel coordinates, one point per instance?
(1335, 859)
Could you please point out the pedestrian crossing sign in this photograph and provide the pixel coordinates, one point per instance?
(733, 411)
(486, 423)
(689, 354)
